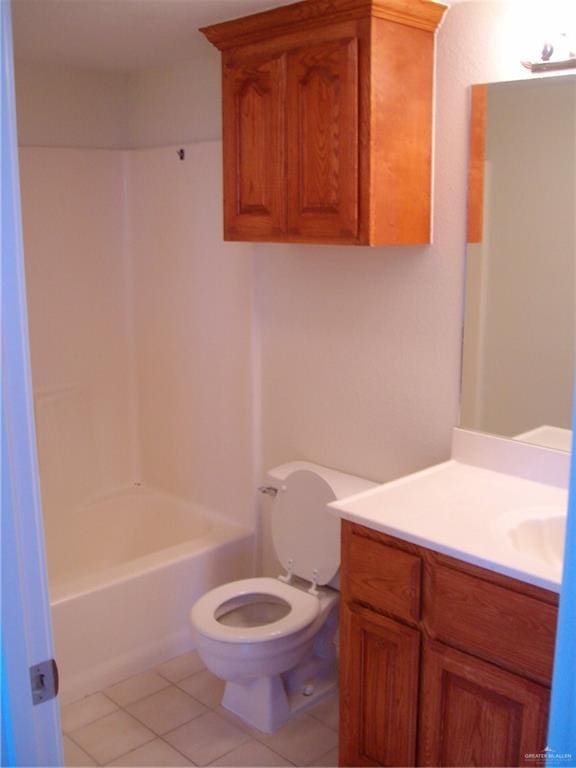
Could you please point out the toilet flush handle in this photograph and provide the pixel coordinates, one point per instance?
(269, 490)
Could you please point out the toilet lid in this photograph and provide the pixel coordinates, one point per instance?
(304, 608)
(303, 530)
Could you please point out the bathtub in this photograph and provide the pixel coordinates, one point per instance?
(123, 573)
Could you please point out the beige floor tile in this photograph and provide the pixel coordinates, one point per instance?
(166, 710)
(302, 740)
(239, 723)
(205, 687)
(74, 756)
(251, 755)
(156, 753)
(181, 666)
(112, 736)
(85, 711)
(327, 712)
(136, 687)
(206, 738)
(329, 760)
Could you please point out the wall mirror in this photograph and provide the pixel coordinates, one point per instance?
(519, 324)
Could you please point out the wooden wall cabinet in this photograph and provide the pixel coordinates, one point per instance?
(327, 121)
(442, 663)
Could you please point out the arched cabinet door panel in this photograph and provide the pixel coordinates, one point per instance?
(322, 149)
(254, 92)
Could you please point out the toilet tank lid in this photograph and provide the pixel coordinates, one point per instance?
(341, 483)
(305, 534)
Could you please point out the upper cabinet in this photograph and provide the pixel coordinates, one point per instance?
(327, 122)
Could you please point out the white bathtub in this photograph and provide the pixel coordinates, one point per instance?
(123, 573)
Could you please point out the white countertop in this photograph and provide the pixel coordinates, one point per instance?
(457, 509)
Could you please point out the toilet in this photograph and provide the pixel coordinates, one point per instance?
(273, 639)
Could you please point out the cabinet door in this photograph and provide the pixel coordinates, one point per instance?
(379, 689)
(254, 93)
(474, 713)
(322, 125)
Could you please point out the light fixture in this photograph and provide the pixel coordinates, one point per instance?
(551, 46)
(558, 54)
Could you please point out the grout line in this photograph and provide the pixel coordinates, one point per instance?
(251, 733)
(126, 753)
(158, 738)
(179, 752)
(227, 753)
(161, 735)
(82, 749)
(337, 748)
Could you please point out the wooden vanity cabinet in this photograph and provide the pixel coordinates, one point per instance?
(327, 120)
(442, 663)
(475, 713)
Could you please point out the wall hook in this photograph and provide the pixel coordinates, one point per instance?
(181, 154)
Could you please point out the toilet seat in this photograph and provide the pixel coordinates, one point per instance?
(304, 608)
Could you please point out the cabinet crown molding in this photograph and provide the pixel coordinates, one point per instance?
(422, 14)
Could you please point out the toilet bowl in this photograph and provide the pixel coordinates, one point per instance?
(272, 639)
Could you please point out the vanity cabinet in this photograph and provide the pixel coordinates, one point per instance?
(327, 120)
(379, 700)
(442, 663)
(475, 713)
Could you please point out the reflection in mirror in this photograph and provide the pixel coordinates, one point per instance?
(519, 334)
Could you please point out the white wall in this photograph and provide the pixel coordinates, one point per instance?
(60, 106)
(81, 344)
(70, 107)
(178, 104)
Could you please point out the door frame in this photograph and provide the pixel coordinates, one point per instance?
(30, 733)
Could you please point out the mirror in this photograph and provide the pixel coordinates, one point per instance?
(518, 352)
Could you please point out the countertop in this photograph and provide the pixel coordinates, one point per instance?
(457, 509)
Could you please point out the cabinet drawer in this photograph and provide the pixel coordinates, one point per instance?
(381, 576)
(493, 622)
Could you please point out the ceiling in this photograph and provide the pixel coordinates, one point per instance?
(119, 35)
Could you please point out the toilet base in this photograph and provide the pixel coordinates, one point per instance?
(266, 703)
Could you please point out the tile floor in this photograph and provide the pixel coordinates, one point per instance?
(171, 716)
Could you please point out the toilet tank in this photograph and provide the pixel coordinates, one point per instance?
(341, 483)
(305, 534)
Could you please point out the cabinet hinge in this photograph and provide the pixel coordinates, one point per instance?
(44, 681)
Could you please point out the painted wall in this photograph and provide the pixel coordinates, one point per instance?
(80, 329)
(87, 108)
(177, 104)
(114, 110)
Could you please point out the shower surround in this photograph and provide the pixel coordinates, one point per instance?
(140, 326)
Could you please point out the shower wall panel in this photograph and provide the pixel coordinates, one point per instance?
(78, 301)
(192, 298)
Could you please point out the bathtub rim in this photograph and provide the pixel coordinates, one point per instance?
(220, 533)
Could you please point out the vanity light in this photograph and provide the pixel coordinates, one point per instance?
(552, 48)
(554, 56)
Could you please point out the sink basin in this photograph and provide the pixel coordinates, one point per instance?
(537, 532)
